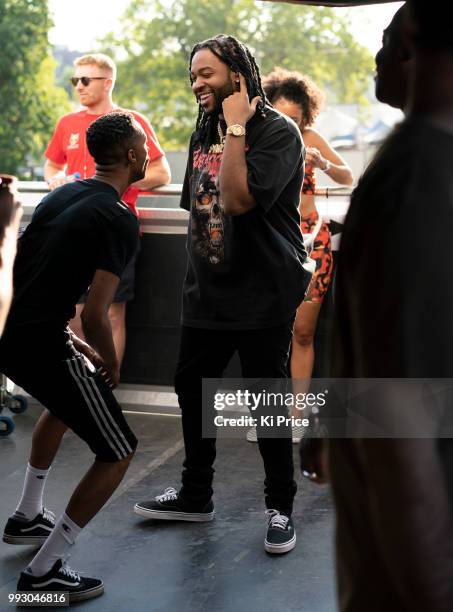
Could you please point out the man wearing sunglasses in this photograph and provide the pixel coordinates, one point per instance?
(68, 159)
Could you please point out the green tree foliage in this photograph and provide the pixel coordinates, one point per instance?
(318, 41)
(30, 103)
(154, 47)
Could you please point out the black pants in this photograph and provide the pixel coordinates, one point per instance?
(205, 353)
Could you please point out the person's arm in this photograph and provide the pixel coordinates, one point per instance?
(87, 350)
(321, 155)
(185, 193)
(314, 459)
(54, 174)
(157, 173)
(96, 322)
(234, 189)
(10, 216)
(54, 168)
(158, 170)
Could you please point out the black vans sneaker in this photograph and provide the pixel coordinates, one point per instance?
(33, 532)
(171, 507)
(62, 579)
(280, 537)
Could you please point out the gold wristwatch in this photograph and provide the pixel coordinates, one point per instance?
(236, 130)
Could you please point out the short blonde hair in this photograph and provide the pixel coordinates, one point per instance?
(99, 59)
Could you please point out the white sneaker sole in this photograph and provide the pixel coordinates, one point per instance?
(277, 549)
(252, 437)
(167, 515)
(89, 594)
(24, 540)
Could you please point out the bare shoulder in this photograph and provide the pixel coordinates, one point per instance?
(312, 137)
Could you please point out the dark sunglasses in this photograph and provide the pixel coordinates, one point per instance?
(85, 80)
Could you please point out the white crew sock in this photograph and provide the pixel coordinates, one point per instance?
(31, 501)
(55, 547)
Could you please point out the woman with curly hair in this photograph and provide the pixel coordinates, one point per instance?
(296, 96)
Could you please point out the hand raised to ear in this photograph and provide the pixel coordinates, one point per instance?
(237, 109)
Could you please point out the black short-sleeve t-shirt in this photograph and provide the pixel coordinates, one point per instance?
(77, 229)
(246, 271)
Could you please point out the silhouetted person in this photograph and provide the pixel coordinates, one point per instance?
(10, 216)
(394, 320)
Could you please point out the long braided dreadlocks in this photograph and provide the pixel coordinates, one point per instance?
(238, 58)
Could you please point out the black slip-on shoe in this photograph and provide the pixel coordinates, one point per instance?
(33, 532)
(171, 507)
(61, 578)
(281, 536)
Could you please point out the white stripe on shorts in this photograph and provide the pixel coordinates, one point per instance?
(105, 411)
(92, 407)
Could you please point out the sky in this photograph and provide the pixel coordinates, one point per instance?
(78, 27)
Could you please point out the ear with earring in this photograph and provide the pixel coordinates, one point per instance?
(260, 108)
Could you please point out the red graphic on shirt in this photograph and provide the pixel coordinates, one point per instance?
(208, 217)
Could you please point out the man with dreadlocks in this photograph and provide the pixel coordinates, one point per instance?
(245, 275)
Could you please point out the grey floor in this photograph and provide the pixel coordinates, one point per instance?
(152, 566)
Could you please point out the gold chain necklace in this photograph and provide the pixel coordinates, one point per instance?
(218, 148)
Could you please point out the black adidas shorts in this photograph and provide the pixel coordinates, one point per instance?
(48, 367)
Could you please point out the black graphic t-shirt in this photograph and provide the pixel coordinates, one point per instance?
(246, 271)
(77, 229)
